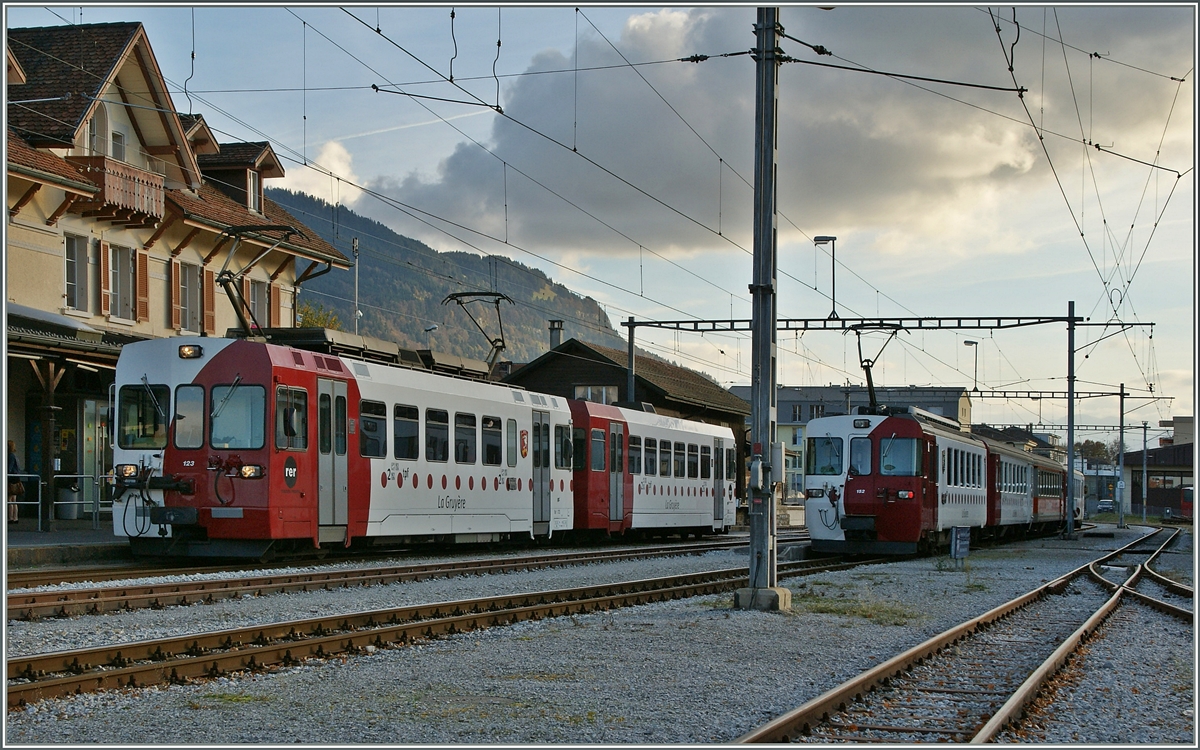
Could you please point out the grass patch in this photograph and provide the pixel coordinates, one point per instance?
(884, 613)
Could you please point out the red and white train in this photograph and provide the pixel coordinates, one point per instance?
(236, 447)
(898, 483)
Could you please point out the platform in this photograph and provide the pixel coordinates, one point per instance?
(71, 543)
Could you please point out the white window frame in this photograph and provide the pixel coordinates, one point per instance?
(253, 191)
(75, 268)
(597, 394)
(122, 287)
(119, 145)
(191, 312)
(259, 304)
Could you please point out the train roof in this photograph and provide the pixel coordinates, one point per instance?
(367, 349)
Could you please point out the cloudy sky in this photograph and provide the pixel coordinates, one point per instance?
(625, 174)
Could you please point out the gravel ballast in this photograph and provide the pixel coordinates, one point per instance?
(690, 671)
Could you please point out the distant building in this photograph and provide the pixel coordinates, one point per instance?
(1170, 472)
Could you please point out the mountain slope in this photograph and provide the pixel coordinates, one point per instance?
(402, 283)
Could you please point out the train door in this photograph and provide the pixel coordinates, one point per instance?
(541, 472)
(616, 471)
(332, 481)
(718, 475)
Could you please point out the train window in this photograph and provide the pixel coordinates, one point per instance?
(664, 458)
(579, 454)
(143, 415)
(324, 417)
(731, 463)
(239, 416)
(651, 457)
(465, 438)
(493, 441)
(680, 460)
(437, 435)
(562, 446)
(900, 457)
(616, 462)
(597, 450)
(406, 429)
(189, 416)
(339, 425)
(372, 418)
(705, 462)
(860, 456)
(543, 445)
(511, 426)
(824, 456)
(635, 454)
(693, 461)
(291, 418)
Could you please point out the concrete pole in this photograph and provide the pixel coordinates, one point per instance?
(762, 381)
(357, 314)
(1121, 464)
(1145, 487)
(630, 380)
(1071, 419)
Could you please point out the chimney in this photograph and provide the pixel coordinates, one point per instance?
(555, 333)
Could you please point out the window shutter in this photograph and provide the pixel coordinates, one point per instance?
(246, 289)
(210, 301)
(105, 280)
(143, 286)
(176, 293)
(276, 305)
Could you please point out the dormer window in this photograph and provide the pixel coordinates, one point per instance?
(253, 191)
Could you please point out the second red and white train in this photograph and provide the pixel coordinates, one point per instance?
(898, 483)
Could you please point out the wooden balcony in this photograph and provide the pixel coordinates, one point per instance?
(128, 195)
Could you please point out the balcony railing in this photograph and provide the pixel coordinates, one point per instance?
(127, 194)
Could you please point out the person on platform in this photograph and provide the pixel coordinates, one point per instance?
(15, 488)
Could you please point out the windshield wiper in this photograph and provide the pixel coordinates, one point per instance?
(157, 408)
(221, 406)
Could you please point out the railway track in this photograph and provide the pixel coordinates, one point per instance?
(966, 684)
(23, 579)
(263, 647)
(98, 600)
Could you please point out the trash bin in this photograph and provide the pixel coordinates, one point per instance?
(68, 506)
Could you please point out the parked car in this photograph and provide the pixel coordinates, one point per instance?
(1105, 506)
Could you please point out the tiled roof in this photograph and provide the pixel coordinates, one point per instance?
(44, 166)
(189, 121)
(61, 60)
(214, 208)
(235, 155)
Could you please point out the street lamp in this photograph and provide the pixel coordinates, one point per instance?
(975, 346)
(832, 242)
(1145, 487)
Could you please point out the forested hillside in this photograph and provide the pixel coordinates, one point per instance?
(402, 283)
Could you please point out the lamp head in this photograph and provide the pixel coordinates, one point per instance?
(823, 239)
(970, 343)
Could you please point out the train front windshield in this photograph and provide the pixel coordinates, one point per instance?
(824, 456)
(142, 416)
(900, 457)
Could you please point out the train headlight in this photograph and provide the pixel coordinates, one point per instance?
(126, 471)
(815, 493)
(905, 494)
(250, 471)
(190, 351)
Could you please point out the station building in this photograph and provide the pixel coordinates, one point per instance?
(117, 205)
